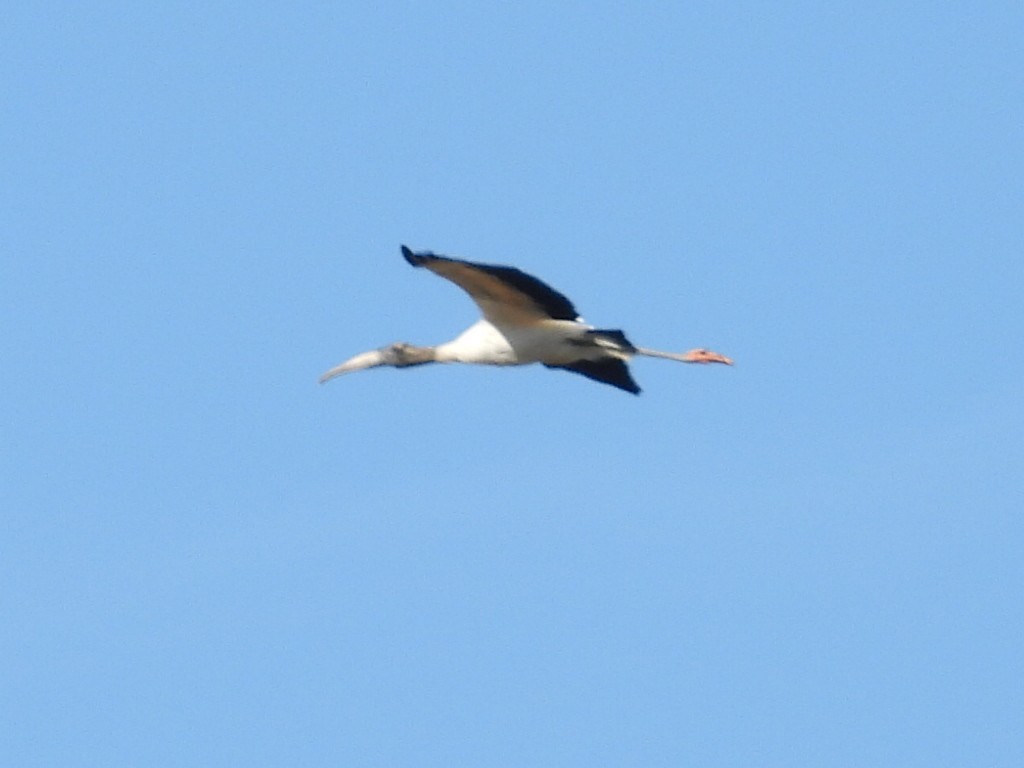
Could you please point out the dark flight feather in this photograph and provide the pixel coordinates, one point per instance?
(553, 303)
(608, 371)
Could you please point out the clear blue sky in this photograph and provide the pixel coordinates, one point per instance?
(813, 558)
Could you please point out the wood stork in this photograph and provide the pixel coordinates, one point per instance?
(524, 321)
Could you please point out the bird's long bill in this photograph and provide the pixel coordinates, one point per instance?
(369, 359)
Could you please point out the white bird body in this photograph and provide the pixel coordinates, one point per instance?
(544, 341)
(524, 321)
(481, 344)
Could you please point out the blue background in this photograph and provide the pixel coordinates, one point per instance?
(813, 558)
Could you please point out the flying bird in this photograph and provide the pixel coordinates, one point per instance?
(524, 321)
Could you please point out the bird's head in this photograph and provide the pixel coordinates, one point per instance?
(398, 355)
(402, 355)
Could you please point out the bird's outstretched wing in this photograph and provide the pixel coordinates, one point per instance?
(504, 294)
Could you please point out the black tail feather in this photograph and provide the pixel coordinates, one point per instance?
(616, 337)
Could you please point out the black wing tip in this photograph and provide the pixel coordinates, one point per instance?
(608, 370)
(626, 385)
(418, 259)
(414, 259)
